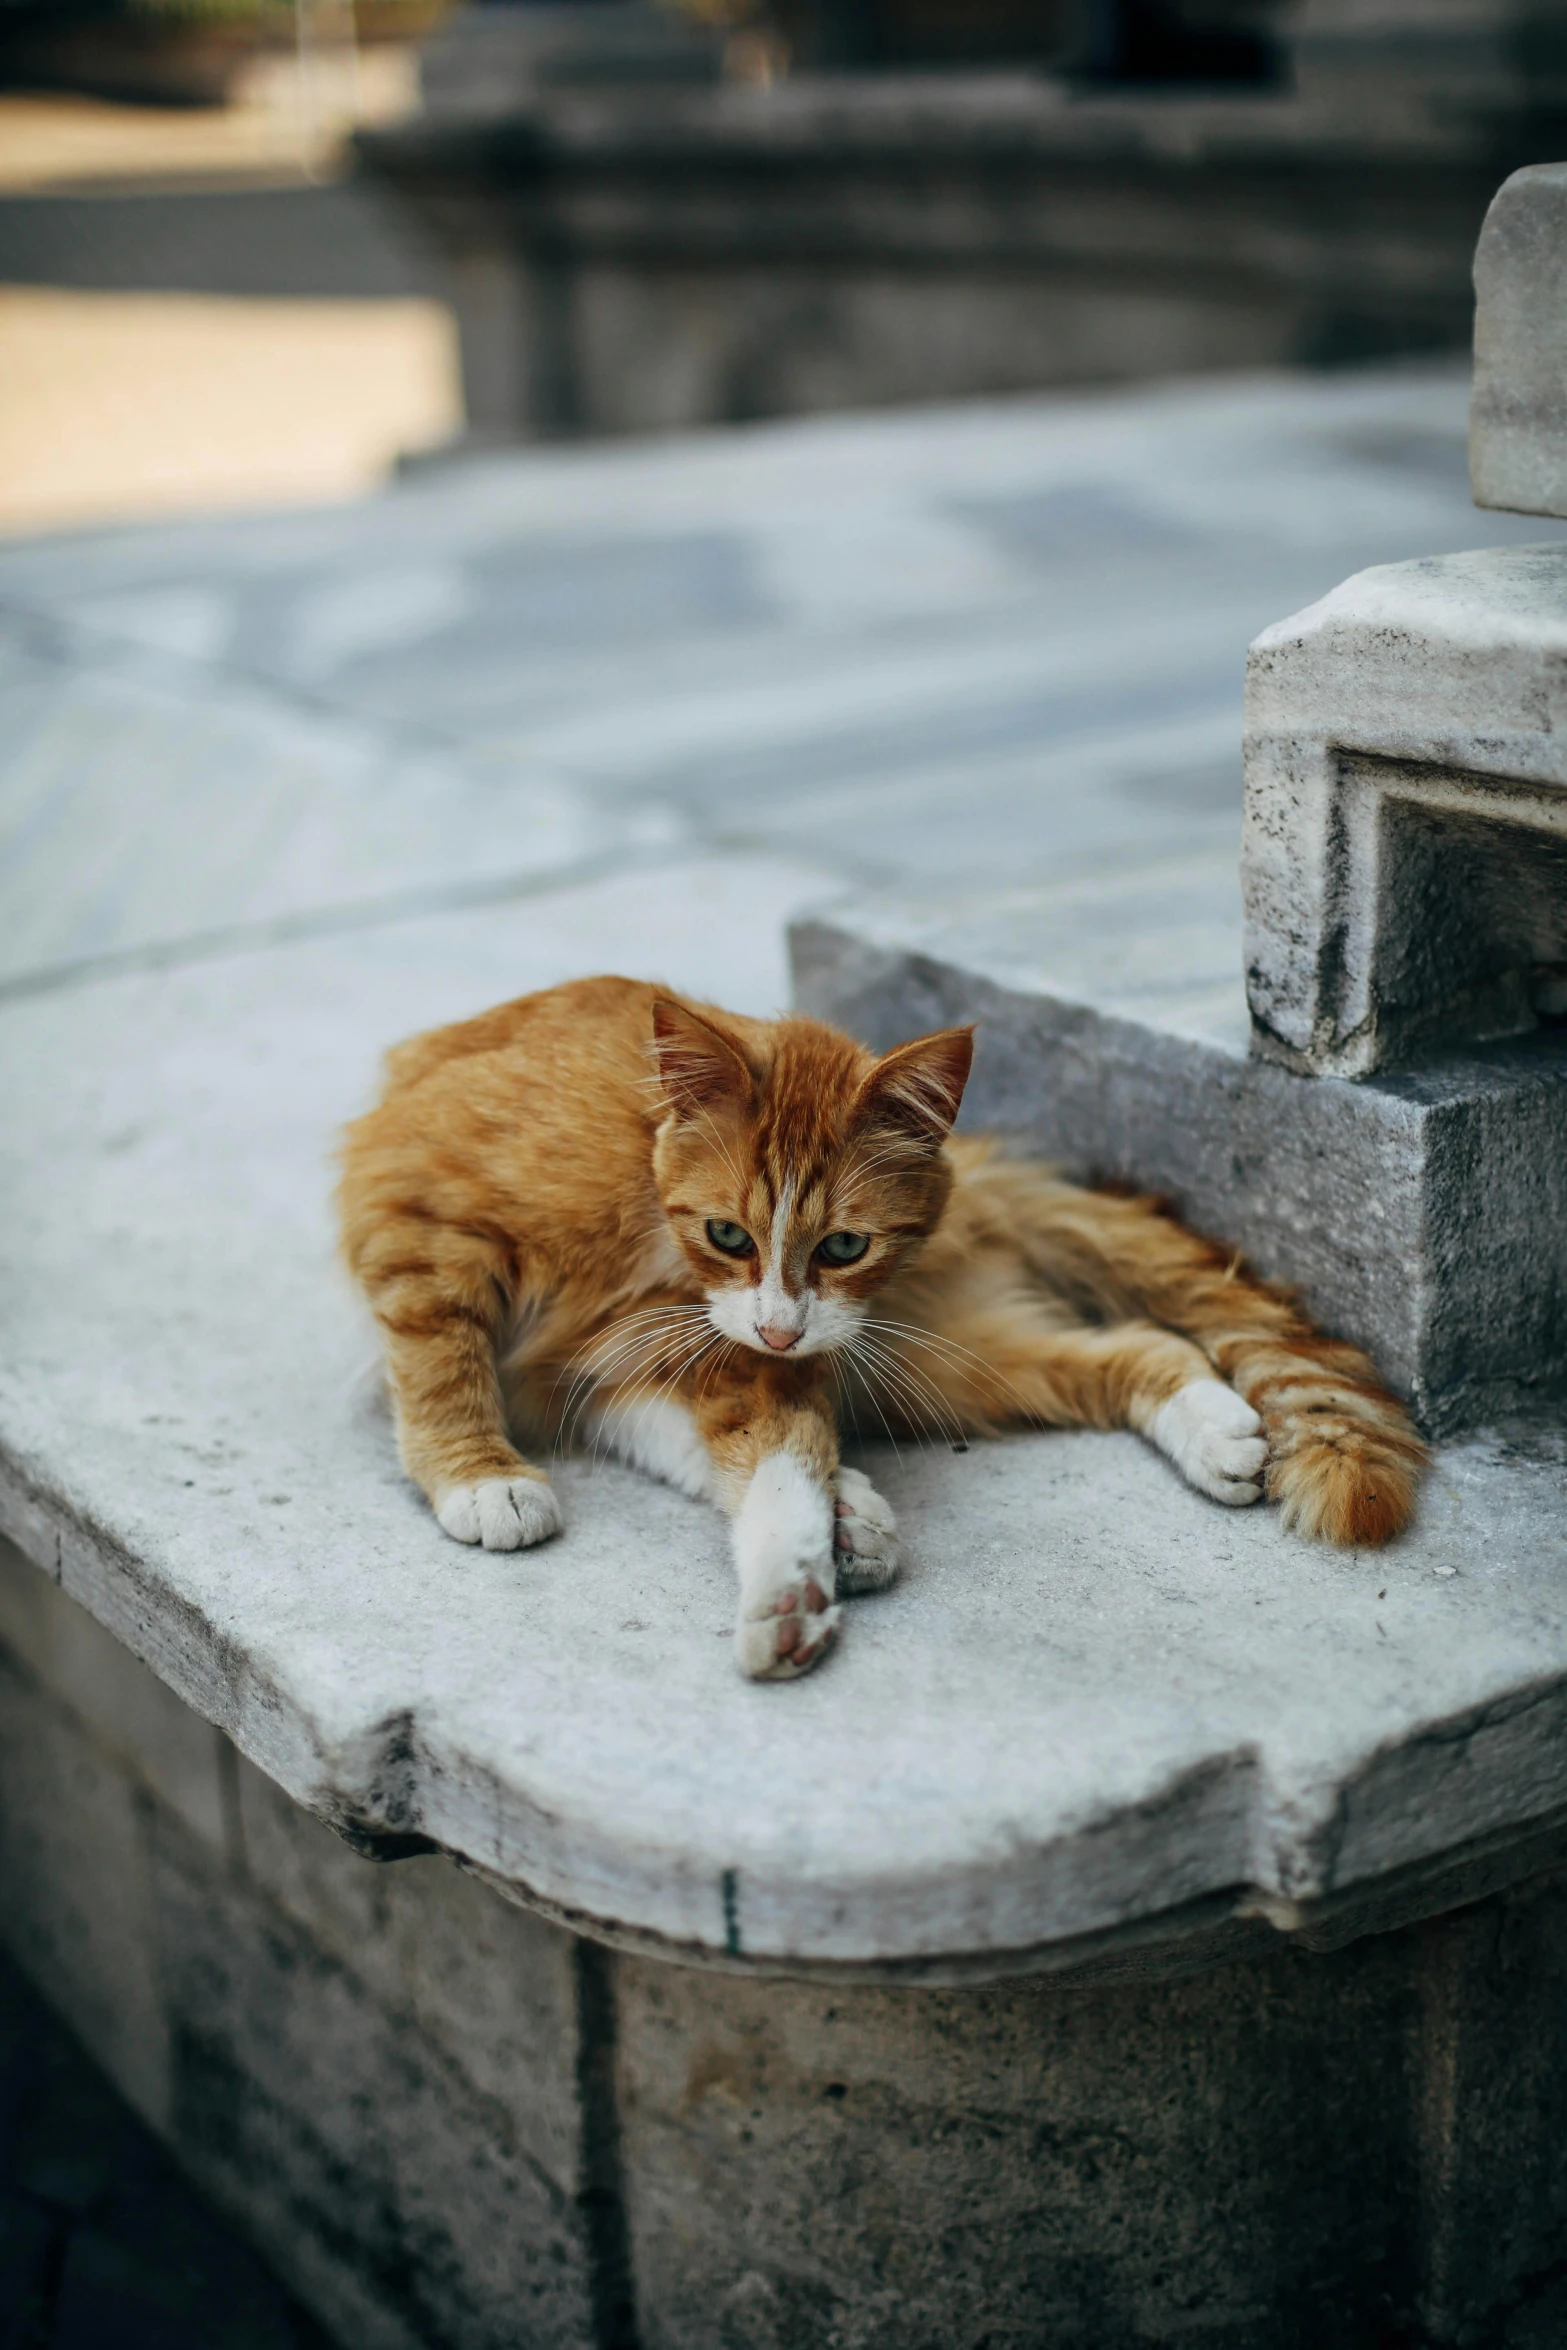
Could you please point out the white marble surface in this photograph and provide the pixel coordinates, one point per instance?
(1093, 1699)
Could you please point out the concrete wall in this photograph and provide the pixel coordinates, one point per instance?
(451, 2124)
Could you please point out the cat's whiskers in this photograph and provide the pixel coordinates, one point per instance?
(661, 1393)
(914, 1393)
(869, 1380)
(653, 1331)
(602, 1357)
(961, 1357)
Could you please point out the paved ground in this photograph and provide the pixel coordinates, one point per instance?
(103, 2245)
(993, 644)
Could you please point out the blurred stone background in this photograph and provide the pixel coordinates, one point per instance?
(261, 249)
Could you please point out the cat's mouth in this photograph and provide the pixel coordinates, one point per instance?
(819, 1329)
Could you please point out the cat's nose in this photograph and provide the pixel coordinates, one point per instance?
(778, 1339)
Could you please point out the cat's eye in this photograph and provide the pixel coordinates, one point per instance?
(733, 1239)
(844, 1248)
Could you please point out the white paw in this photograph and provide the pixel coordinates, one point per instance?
(504, 1513)
(1215, 1439)
(784, 1556)
(865, 1535)
(794, 1634)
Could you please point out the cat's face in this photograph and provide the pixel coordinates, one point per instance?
(795, 1185)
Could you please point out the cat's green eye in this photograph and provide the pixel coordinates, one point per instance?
(844, 1248)
(733, 1239)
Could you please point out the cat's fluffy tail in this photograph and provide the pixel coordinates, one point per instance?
(1343, 1459)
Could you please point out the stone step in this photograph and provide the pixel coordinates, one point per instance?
(1113, 1041)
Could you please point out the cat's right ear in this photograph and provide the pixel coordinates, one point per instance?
(699, 1067)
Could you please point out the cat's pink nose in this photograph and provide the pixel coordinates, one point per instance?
(779, 1340)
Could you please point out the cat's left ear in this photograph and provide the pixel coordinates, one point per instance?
(918, 1087)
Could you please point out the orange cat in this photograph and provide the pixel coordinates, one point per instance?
(700, 1240)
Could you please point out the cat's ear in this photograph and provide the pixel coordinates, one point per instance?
(700, 1068)
(918, 1087)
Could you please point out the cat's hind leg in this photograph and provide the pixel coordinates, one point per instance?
(1009, 1362)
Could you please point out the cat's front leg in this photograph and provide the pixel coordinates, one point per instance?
(784, 1557)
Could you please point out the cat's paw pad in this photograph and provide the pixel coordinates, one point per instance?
(1215, 1439)
(792, 1633)
(864, 1535)
(504, 1513)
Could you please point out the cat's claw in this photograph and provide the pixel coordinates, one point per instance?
(794, 1634)
(865, 1535)
(1215, 1439)
(504, 1513)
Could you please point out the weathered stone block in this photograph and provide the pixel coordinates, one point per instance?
(1289, 2151)
(401, 2203)
(494, 1987)
(1404, 865)
(1518, 417)
(79, 1903)
(704, 256)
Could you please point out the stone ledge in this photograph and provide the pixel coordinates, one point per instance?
(1097, 1711)
(445, 2120)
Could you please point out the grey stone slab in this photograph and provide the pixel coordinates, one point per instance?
(86, 1924)
(1422, 1214)
(494, 1988)
(1097, 1707)
(1518, 417)
(1289, 2152)
(1404, 864)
